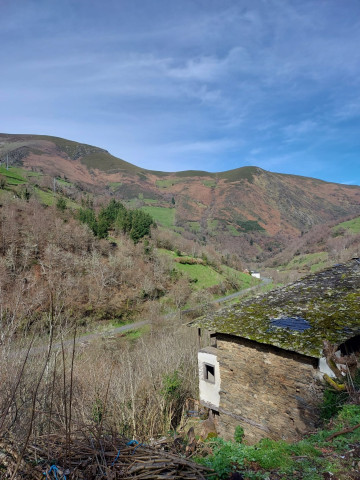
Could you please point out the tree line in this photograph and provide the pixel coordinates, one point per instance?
(115, 216)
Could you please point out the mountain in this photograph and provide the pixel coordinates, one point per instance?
(246, 208)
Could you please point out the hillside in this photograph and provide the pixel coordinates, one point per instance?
(247, 209)
(69, 286)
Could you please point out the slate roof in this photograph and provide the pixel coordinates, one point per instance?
(299, 316)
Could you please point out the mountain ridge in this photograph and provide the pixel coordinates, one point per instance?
(91, 149)
(247, 207)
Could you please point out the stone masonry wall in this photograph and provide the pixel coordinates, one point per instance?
(268, 391)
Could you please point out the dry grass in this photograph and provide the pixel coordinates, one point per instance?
(106, 388)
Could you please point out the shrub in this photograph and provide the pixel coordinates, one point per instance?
(332, 403)
(61, 204)
(238, 434)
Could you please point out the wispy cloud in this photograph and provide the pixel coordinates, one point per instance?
(221, 83)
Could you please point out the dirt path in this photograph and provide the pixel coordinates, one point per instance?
(264, 281)
(85, 339)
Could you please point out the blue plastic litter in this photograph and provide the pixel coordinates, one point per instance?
(117, 456)
(55, 469)
(132, 442)
(137, 446)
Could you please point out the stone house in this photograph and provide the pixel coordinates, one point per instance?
(265, 366)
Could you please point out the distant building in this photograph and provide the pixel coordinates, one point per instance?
(265, 367)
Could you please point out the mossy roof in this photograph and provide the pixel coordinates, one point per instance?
(299, 316)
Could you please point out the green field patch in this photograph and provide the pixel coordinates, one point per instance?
(46, 197)
(232, 230)
(164, 216)
(171, 253)
(115, 185)
(169, 182)
(352, 225)
(194, 227)
(203, 276)
(313, 261)
(212, 226)
(66, 183)
(71, 204)
(13, 175)
(15, 172)
(132, 202)
(209, 183)
(243, 280)
(34, 174)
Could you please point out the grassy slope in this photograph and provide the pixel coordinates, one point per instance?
(312, 261)
(205, 276)
(18, 176)
(351, 225)
(164, 216)
(309, 459)
(14, 176)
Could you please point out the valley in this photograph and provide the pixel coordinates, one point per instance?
(247, 209)
(103, 264)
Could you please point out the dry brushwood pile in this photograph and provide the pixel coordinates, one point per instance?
(82, 458)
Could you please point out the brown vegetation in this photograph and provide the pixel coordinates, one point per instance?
(110, 388)
(44, 254)
(55, 277)
(256, 212)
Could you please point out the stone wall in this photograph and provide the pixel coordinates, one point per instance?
(268, 391)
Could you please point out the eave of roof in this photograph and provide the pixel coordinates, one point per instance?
(328, 302)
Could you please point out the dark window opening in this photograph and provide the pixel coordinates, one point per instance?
(209, 373)
(350, 346)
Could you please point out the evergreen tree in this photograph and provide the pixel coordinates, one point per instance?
(140, 225)
(87, 215)
(111, 211)
(61, 204)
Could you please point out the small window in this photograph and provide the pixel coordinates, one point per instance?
(209, 373)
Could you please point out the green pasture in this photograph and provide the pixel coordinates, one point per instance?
(205, 276)
(244, 280)
(13, 175)
(209, 183)
(352, 225)
(194, 227)
(164, 216)
(165, 183)
(66, 183)
(313, 261)
(232, 230)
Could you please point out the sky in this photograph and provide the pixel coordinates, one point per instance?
(189, 84)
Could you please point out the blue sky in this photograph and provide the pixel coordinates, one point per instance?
(189, 84)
